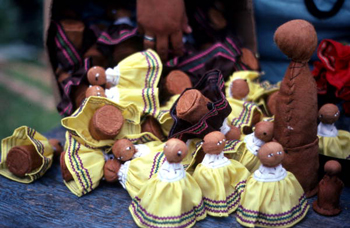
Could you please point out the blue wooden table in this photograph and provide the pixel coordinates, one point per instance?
(48, 203)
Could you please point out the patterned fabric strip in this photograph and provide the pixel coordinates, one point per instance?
(158, 160)
(280, 219)
(184, 220)
(105, 38)
(245, 116)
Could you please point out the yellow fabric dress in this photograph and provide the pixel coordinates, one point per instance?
(135, 80)
(164, 117)
(332, 142)
(171, 198)
(272, 197)
(85, 163)
(78, 123)
(26, 136)
(222, 181)
(258, 91)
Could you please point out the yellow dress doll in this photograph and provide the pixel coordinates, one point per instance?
(272, 197)
(332, 142)
(171, 198)
(222, 180)
(263, 133)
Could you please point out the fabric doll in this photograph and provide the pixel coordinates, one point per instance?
(262, 134)
(296, 105)
(222, 180)
(273, 196)
(329, 190)
(171, 196)
(332, 142)
(26, 155)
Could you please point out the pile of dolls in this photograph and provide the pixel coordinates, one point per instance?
(186, 144)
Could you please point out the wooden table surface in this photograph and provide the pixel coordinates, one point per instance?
(48, 203)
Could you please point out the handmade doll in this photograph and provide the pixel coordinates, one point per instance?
(272, 197)
(332, 142)
(262, 134)
(26, 155)
(296, 105)
(151, 125)
(329, 190)
(222, 180)
(171, 196)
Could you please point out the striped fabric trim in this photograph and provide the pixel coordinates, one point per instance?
(229, 204)
(281, 219)
(186, 219)
(105, 38)
(232, 146)
(75, 162)
(245, 116)
(158, 160)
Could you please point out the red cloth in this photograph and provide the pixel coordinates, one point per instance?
(333, 68)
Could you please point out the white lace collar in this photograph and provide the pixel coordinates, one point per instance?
(171, 172)
(215, 160)
(327, 130)
(268, 174)
(253, 144)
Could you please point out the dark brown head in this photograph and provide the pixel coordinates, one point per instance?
(264, 131)
(332, 168)
(214, 142)
(177, 81)
(328, 114)
(233, 134)
(271, 154)
(96, 76)
(175, 150)
(123, 149)
(95, 91)
(297, 39)
(111, 169)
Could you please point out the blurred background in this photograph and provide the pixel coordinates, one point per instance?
(26, 95)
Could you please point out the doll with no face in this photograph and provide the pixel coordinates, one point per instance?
(222, 180)
(280, 198)
(171, 195)
(332, 142)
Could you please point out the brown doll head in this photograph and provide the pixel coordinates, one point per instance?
(66, 175)
(297, 39)
(214, 142)
(152, 125)
(239, 89)
(95, 91)
(271, 154)
(192, 106)
(111, 169)
(332, 168)
(233, 134)
(123, 149)
(106, 122)
(217, 19)
(96, 76)
(249, 59)
(264, 131)
(328, 114)
(175, 150)
(56, 146)
(177, 81)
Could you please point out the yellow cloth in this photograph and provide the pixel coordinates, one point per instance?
(168, 204)
(164, 117)
(243, 113)
(258, 92)
(85, 164)
(272, 204)
(26, 136)
(336, 147)
(221, 187)
(78, 123)
(139, 75)
(248, 159)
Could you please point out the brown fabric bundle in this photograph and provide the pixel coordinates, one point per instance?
(66, 175)
(23, 159)
(106, 123)
(74, 30)
(296, 107)
(152, 125)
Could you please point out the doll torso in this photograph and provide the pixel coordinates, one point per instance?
(215, 160)
(171, 172)
(270, 174)
(253, 144)
(327, 130)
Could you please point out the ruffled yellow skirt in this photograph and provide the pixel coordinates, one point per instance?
(164, 204)
(336, 147)
(272, 204)
(248, 159)
(221, 187)
(26, 136)
(85, 163)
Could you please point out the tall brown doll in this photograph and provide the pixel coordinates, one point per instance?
(296, 107)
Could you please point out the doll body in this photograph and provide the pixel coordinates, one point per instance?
(171, 195)
(280, 201)
(221, 179)
(332, 142)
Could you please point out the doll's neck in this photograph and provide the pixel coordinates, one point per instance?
(270, 174)
(253, 144)
(171, 172)
(215, 160)
(327, 130)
